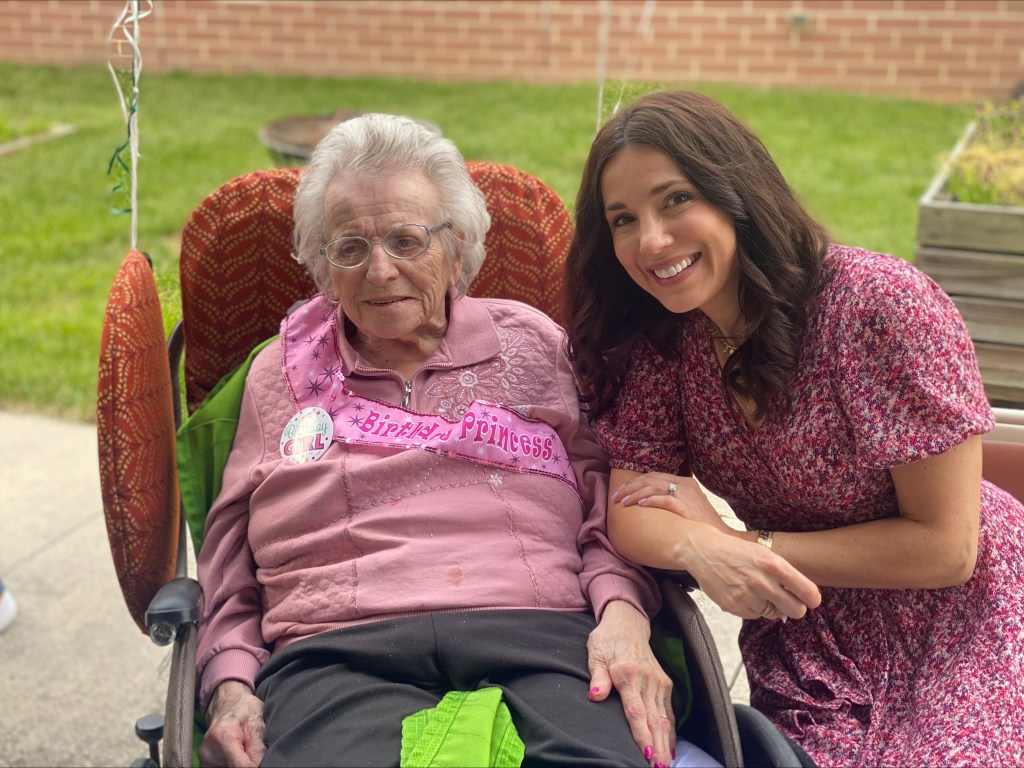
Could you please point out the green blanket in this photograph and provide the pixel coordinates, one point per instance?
(467, 728)
(204, 442)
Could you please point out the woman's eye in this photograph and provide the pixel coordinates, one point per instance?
(620, 221)
(679, 198)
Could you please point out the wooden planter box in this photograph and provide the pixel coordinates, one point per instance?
(976, 253)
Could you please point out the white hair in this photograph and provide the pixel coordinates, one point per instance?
(389, 143)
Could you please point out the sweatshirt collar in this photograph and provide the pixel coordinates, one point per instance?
(471, 337)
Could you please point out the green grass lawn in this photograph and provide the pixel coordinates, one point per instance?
(859, 164)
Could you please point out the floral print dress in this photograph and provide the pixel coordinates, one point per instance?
(887, 376)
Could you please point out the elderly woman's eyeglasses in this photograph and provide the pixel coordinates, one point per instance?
(404, 242)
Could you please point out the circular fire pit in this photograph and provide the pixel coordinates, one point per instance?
(291, 140)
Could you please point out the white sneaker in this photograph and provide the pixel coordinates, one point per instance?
(8, 609)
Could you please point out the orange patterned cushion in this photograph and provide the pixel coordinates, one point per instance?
(237, 275)
(528, 241)
(135, 429)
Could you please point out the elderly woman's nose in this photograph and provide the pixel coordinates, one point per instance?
(380, 265)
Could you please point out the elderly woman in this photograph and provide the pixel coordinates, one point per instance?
(413, 504)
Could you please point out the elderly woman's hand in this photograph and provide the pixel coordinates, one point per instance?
(621, 656)
(235, 733)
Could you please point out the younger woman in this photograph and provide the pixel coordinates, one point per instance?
(832, 397)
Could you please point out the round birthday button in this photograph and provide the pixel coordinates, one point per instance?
(307, 436)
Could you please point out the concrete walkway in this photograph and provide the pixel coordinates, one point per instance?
(75, 671)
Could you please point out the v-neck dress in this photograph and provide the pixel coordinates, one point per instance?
(887, 376)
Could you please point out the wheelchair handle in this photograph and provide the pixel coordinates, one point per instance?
(175, 603)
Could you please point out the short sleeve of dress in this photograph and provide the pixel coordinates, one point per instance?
(643, 431)
(908, 376)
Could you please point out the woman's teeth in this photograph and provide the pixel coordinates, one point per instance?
(675, 270)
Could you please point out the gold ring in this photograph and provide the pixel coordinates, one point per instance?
(769, 609)
(672, 488)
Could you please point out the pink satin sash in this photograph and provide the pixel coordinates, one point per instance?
(488, 433)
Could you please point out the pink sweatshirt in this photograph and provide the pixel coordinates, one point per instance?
(369, 533)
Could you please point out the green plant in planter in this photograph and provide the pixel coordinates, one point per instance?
(990, 169)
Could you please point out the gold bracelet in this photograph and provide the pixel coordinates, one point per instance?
(764, 538)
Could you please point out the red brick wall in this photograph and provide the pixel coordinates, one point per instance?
(942, 50)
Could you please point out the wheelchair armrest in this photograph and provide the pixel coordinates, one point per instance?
(174, 604)
(683, 578)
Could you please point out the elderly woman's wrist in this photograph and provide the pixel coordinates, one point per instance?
(623, 607)
(224, 695)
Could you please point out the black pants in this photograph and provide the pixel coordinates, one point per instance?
(339, 698)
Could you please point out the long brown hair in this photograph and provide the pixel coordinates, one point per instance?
(780, 250)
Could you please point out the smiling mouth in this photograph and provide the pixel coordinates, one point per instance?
(672, 271)
(675, 269)
(385, 302)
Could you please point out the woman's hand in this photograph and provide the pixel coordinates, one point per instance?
(749, 580)
(621, 656)
(739, 575)
(235, 733)
(654, 489)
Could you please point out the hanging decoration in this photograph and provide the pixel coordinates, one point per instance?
(603, 36)
(125, 65)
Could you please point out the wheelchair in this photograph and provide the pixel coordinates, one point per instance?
(237, 281)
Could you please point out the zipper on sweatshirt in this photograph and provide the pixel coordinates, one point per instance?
(406, 383)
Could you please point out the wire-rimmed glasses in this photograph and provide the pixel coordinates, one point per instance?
(404, 242)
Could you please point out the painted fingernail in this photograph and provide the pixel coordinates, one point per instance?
(594, 691)
(673, 753)
(641, 502)
(660, 764)
(648, 752)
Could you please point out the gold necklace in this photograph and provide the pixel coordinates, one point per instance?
(720, 337)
